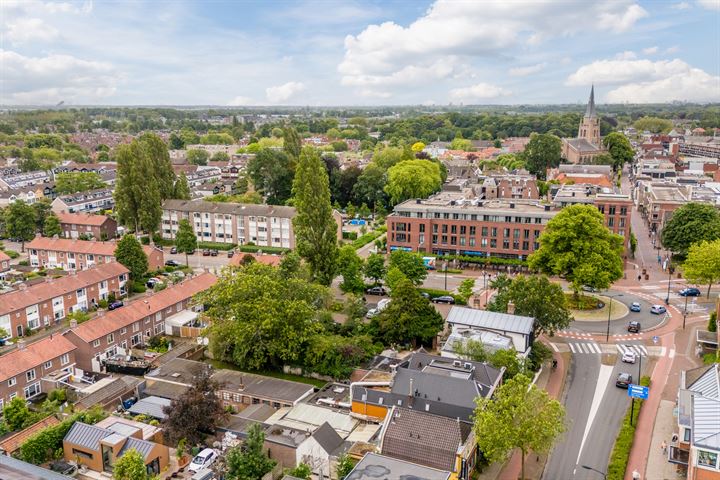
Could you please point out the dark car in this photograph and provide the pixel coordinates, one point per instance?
(623, 380)
(690, 292)
(173, 250)
(444, 299)
(231, 253)
(633, 327)
(214, 253)
(376, 291)
(115, 304)
(172, 263)
(206, 252)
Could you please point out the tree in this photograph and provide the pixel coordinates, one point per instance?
(249, 462)
(185, 239)
(242, 185)
(418, 147)
(519, 415)
(272, 173)
(375, 267)
(691, 223)
(195, 413)
(389, 156)
(220, 157)
(410, 264)
(73, 182)
(302, 471)
(542, 152)
(345, 465)
(291, 143)
(20, 222)
(262, 316)
(197, 156)
(412, 179)
(42, 209)
(130, 253)
(576, 244)
(130, 466)
(336, 355)
(466, 288)
(52, 226)
(620, 148)
(408, 318)
(350, 266)
(176, 142)
(653, 125)
(703, 264)
(17, 415)
(370, 186)
(314, 224)
(470, 350)
(181, 191)
(393, 277)
(535, 296)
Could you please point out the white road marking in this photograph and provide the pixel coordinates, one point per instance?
(572, 348)
(600, 387)
(672, 353)
(554, 347)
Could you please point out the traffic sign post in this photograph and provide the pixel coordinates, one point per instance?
(636, 391)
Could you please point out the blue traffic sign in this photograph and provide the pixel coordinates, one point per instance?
(655, 339)
(638, 391)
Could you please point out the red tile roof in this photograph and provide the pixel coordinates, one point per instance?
(82, 219)
(4, 256)
(111, 321)
(12, 443)
(12, 301)
(77, 246)
(33, 355)
(272, 260)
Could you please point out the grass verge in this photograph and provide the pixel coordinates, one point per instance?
(621, 450)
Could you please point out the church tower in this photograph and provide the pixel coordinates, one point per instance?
(590, 125)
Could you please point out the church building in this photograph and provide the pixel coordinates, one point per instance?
(588, 144)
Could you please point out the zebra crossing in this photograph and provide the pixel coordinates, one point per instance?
(584, 347)
(593, 348)
(639, 350)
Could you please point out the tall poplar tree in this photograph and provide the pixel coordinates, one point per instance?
(291, 143)
(182, 188)
(315, 227)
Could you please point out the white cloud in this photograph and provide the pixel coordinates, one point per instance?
(480, 91)
(674, 49)
(645, 81)
(241, 101)
(525, 71)
(24, 30)
(651, 50)
(681, 6)
(711, 4)
(284, 92)
(42, 80)
(626, 55)
(377, 56)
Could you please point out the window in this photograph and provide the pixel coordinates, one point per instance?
(12, 382)
(48, 365)
(32, 390)
(707, 459)
(110, 338)
(96, 343)
(30, 375)
(65, 359)
(81, 454)
(123, 331)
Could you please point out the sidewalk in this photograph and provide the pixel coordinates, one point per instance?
(665, 425)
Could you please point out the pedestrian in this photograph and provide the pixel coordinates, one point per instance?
(636, 475)
(663, 447)
(639, 277)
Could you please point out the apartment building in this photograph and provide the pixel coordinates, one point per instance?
(21, 180)
(657, 200)
(615, 207)
(238, 223)
(91, 201)
(35, 367)
(116, 331)
(49, 302)
(96, 226)
(70, 254)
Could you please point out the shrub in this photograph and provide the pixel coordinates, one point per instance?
(216, 246)
(24, 263)
(712, 322)
(349, 235)
(621, 451)
(12, 254)
(368, 237)
(103, 303)
(255, 249)
(138, 287)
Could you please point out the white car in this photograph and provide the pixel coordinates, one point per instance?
(203, 460)
(629, 357)
(372, 313)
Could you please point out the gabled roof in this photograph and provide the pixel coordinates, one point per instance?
(327, 438)
(502, 322)
(90, 436)
(705, 381)
(706, 422)
(88, 247)
(82, 219)
(229, 208)
(33, 355)
(12, 443)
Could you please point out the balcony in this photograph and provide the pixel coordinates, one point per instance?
(677, 455)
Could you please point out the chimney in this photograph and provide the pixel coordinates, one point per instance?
(511, 308)
(410, 393)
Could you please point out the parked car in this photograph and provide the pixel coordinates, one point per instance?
(206, 252)
(115, 304)
(658, 309)
(203, 460)
(372, 312)
(376, 291)
(231, 253)
(690, 292)
(629, 357)
(444, 299)
(588, 288)
(633, 327)
(623, 380)
(214, 253)
(635, 307)
(152, 282)
(425, 294)
(172, 263)
(173, 250)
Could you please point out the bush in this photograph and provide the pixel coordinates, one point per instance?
(24, 263)
(539, 354)
(485, 260)
(349, 235)
(621, 450)
(216, 246)
(12, 254)
(138, 287)
(368, 237)
(255, 249)
(712, 323)
(103, 303)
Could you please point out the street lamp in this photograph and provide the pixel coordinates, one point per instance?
(446, 265)
(685, 312)
(607, 336)
(587, 467)
(670, 272)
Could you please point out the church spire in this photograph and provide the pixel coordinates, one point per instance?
(590, 111)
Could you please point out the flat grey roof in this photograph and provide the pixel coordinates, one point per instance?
(152, 406)
(14, 469)
(261, 386)
(379, 467)
(491, 320)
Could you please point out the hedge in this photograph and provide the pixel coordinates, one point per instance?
(459, 300)
(215, 246)
(12, 254)
(363, 240)
(256, 248)
(621, 450)
(349, 235)
(485, 260)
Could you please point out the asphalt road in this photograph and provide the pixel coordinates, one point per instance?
(619, 327)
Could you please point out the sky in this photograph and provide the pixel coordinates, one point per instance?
(323, 52)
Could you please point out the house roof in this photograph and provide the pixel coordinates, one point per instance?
(84, 197)
(706, 422)
(14, 469)
(229, 208)
(12, 443)
(111, 321)
(4, 256)
(327, 438)
(423, 438)
(90, 247)
(90, 436)
(152, 406)
(374, 466)
(117, 387)
(82, 219)
(142, 446)
(33, 355)
(123, 424)
(272, 260)
(304, 416)
(491, 320)
(178, 371)
(52, 288)
(165, 390)
(707, 383)
(261, 386)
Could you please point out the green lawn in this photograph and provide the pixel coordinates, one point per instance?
(269, 373)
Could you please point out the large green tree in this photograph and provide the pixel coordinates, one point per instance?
(350, 266)
(197, 156)
(620, 148)
(249, 462)
(692, 223)
(291, 143)
(314, 224)
(412, 179)
(519, 415)
(535, 296)
(370, 186)
(262, 316)
(130, 466)
(52, 226)
(577, 245)
(73, 182)
(185, 239)
(20, 222)
(130, 253)
(542, 152)
(272, 173)
(181, 189)
(653, 125)
(703, 264)
(375, 267)
(409, 318)
(410, 264)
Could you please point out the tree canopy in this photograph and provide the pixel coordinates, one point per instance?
(20, 222)
(271, 171)
(130, 253)
(249, 462)
(181, 189)
(703, 264)
(73, 182)
(130, 466)
(542, 152)
(52, 226)
(410, 264)
(413, 179)
(691, 223)
(620, 148)
(197, 156)
(350, 266)
(185, 239)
